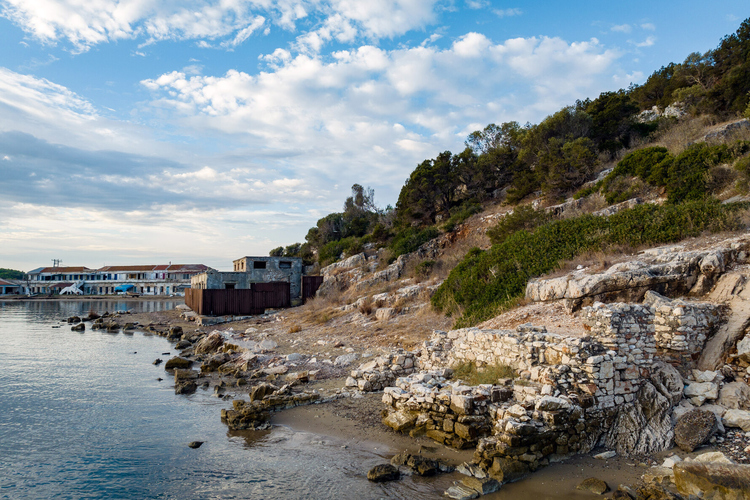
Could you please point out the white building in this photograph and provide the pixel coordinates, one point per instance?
(165, 279)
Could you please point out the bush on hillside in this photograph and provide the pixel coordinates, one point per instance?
(487, 281)
(522, 217)
(409, 239)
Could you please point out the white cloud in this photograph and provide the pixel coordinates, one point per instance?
(477, 4)
(648, 26)
(648, 42)
(622, 28)
(331, 113)
(508, 12)
(85, 24)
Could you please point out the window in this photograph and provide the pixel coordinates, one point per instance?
(259, 264)
(285, 265)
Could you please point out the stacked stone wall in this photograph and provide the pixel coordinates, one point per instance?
(577, 367)
(383, 371)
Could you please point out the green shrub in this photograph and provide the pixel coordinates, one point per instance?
(409, 239)
(461, 213)
(588, 190)
(424, 268)
(487, 281)
(522, 217)
(684, 176)
(331, 251)
(471, 375)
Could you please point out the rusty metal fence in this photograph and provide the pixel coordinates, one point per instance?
(310, 285)
(254, 300)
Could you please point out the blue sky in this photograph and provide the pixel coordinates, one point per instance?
(147, 131)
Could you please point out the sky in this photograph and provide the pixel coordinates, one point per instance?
(194, 131)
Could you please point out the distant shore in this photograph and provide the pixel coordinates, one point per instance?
(91, 297)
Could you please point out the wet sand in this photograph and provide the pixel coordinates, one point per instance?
(351, 422)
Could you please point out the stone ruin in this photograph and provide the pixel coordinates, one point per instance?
(609, 388)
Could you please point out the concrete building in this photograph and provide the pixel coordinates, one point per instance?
(9, 287)
(248, 270)
(167, 279)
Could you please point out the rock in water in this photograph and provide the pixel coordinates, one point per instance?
(483, 486)
(78, 328)
(175, 332)
(593, 485)
(157, 362)
(461, 492)
(694, 428)
(718, 481)
(209, 343)
(195, 444)
(382, 473)
(177, 362)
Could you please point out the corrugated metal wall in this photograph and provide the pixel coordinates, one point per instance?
(310, 285)
(255, 300)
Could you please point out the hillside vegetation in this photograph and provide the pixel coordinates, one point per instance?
(662, 157)
(11, 274)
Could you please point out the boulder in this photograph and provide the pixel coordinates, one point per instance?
(643, 426)
(461, 492)
(735, 395)
(667, 381)
(655, 491)
(694, 428)
(382, 473)
(743, 349)
(346, 359)
(175, 332)
(78, 328)
(711, 457)
(702, 390)
(246, 416)
(177, 362)
(185, 386)
(483, 486)
(715, 481)
(214, 362)
(737, 418)
(593, 485)
(262, 390)
(507, 470)
(195, 444)
(210, 343)
(385, 313)
(399, 420)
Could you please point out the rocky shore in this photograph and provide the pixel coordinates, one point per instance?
(654, 379)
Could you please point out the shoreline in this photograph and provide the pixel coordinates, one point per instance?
(354, 421)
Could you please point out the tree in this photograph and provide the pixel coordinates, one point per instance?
(276, 252)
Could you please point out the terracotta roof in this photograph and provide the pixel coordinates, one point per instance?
(142, 268)
(7, 283)
(61, 285)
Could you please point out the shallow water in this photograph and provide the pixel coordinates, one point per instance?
(82, 415)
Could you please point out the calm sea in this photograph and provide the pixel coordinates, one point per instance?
(82, 415)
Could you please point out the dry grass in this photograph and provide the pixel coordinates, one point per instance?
(595, 261)
(471, 375)
(294, 328)
(366, 306)
(677, 137)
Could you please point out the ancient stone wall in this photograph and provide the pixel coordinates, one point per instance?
(561, 365)
(382, 372)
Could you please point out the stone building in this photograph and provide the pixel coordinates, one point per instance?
(248, 270)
